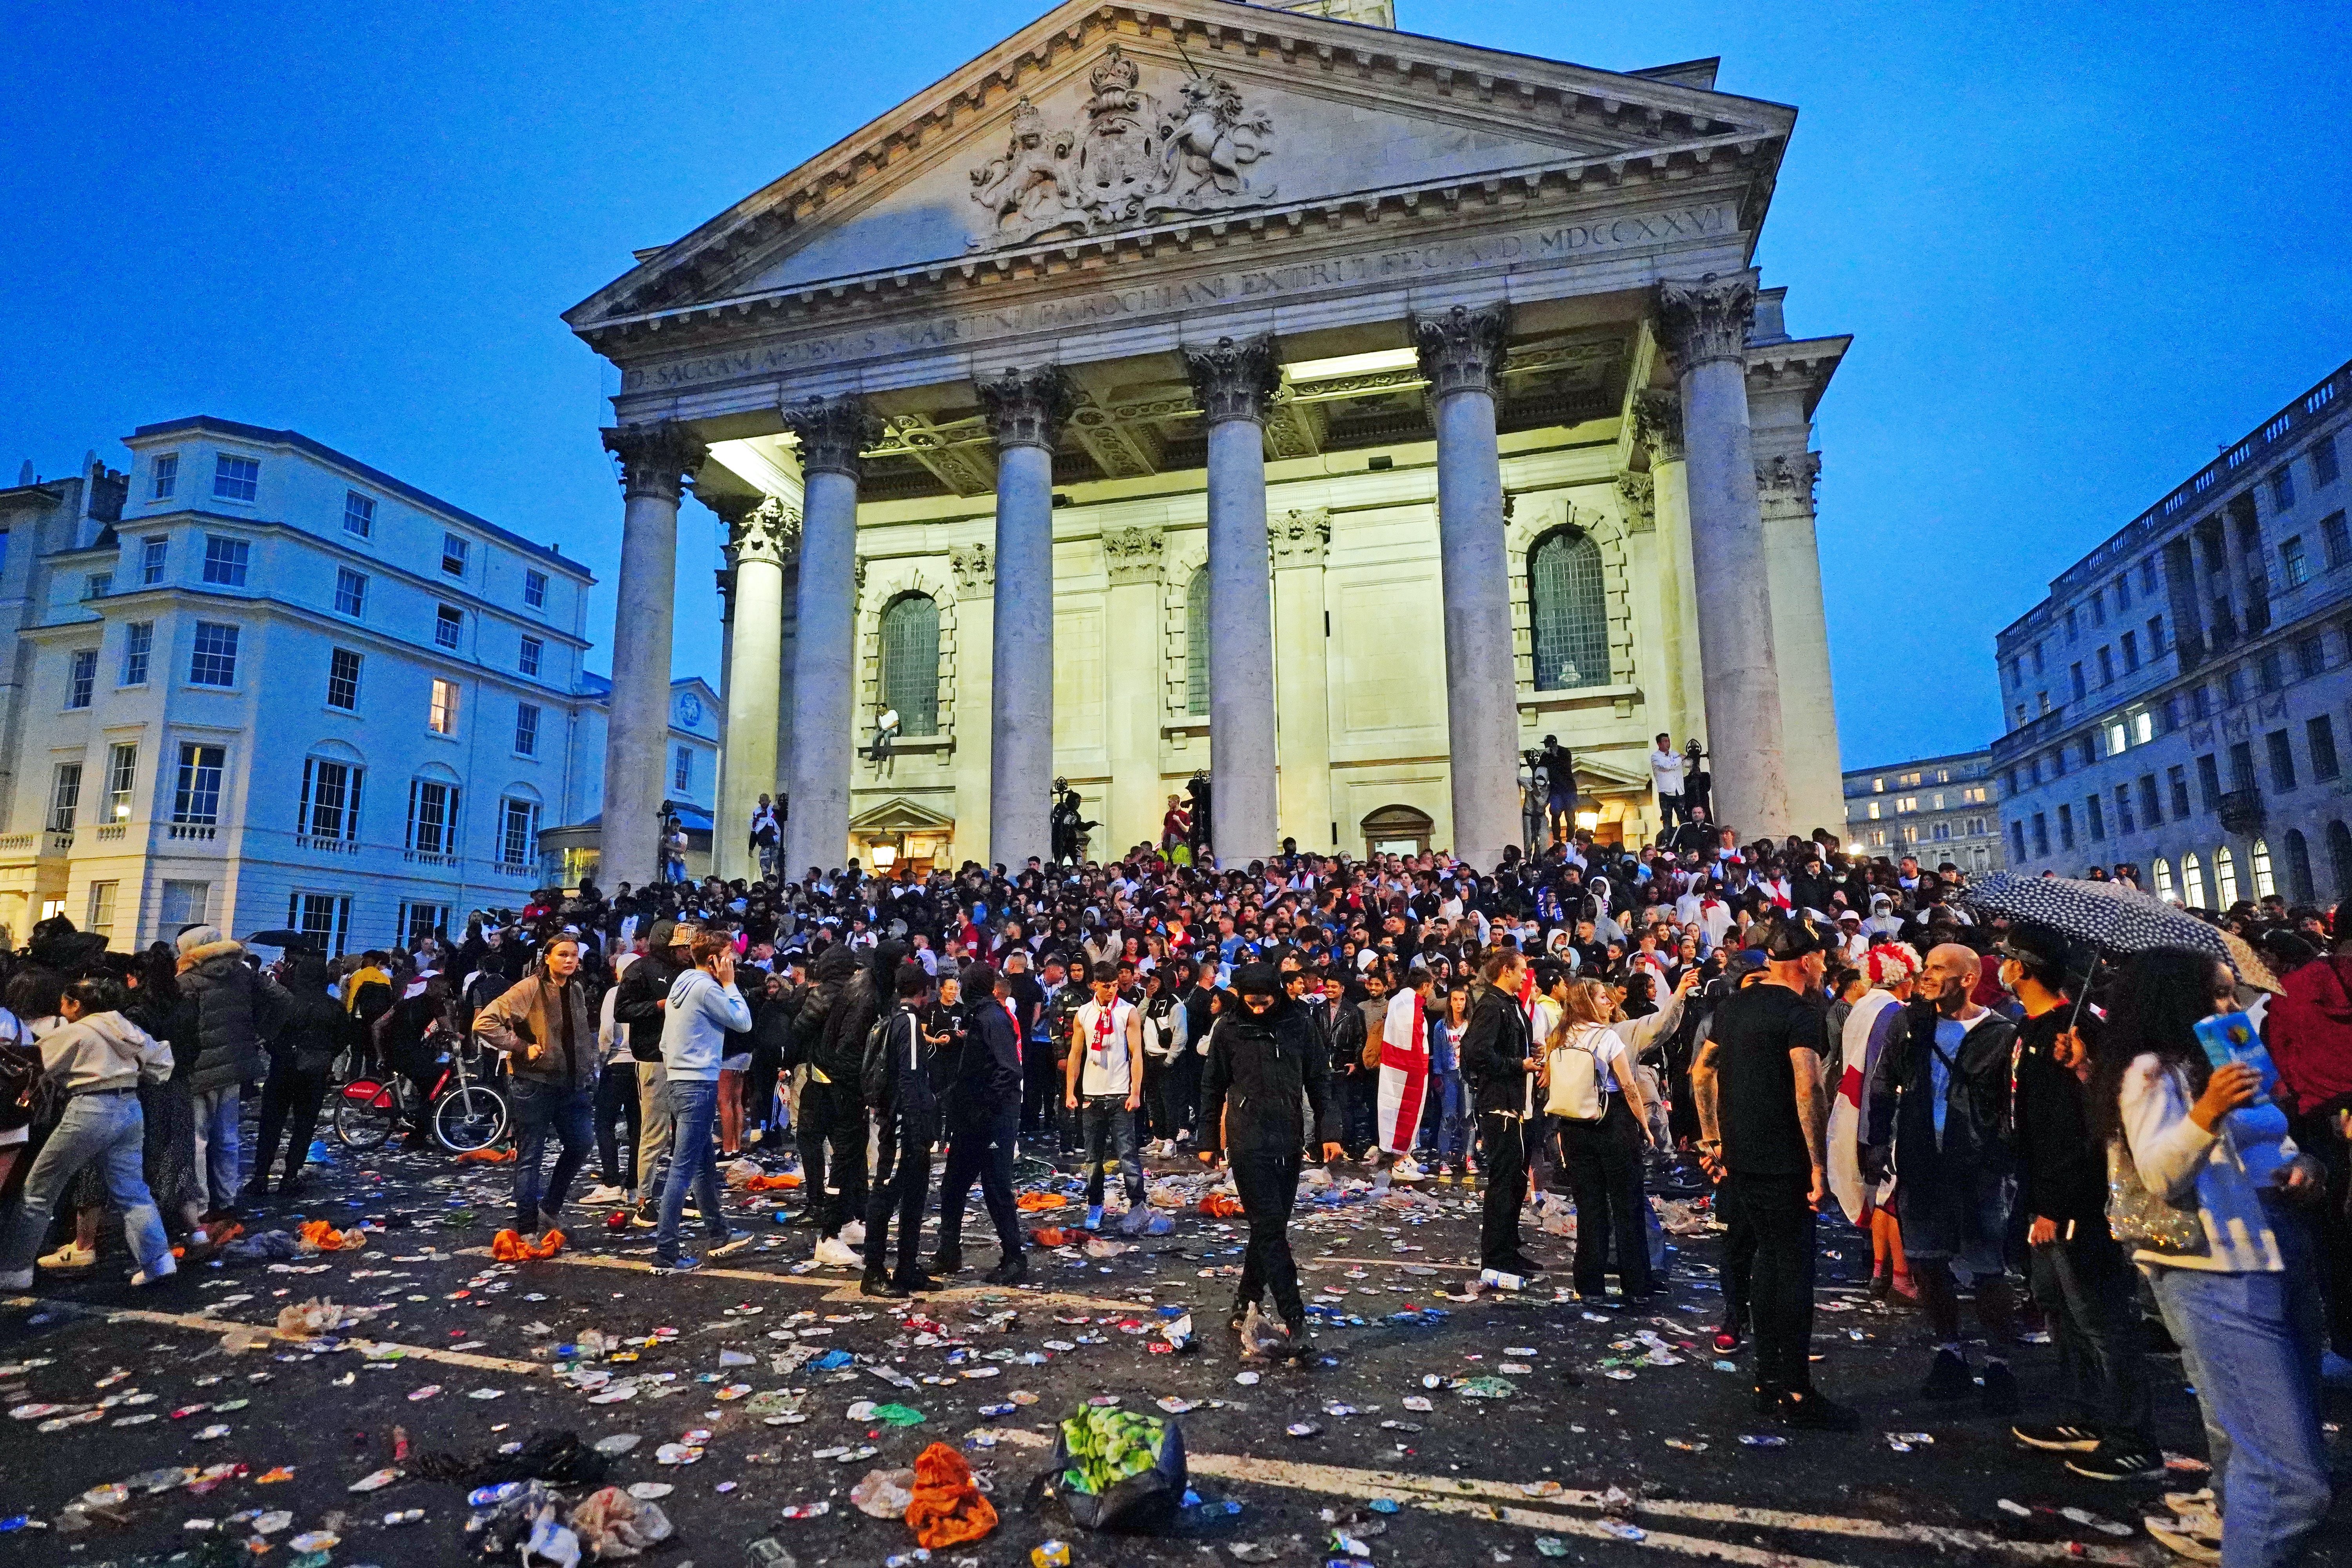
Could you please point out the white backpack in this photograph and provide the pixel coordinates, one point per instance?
(1574, 1092)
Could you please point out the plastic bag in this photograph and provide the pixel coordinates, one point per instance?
(1117, 1471)
(947, 1509)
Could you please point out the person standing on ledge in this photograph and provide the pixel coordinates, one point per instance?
(1666, 775)
(1262, 1062)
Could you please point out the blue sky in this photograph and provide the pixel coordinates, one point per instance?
(2080, 248)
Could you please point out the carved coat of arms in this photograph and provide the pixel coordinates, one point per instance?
(1130, 160)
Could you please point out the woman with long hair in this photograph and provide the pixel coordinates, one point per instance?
(2237, 1286)
(1602, 1154)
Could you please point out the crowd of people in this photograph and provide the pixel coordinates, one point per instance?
(1788, 1026)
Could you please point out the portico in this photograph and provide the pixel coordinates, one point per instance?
(1197, 387)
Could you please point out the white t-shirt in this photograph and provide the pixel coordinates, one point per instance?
(1106, 1068)
(1606, 1045)
(1666, 772)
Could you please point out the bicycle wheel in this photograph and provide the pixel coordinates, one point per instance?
(365, 1114)
(472, 1116)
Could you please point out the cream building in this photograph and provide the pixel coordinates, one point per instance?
(1209, 386)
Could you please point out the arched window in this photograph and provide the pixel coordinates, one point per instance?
(2164, 878)
(1569, 610)
(1196, 643)
(2339, 858)
(2192, 882)
(910, 662)
(2265, 884)
(2298, 868)
(2225, 876)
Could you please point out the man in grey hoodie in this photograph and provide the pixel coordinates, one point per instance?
(102, 1057)
(702, 1007)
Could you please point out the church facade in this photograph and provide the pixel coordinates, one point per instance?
(1255, 390)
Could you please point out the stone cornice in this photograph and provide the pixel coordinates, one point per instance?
(1650, 119)
(1806, 363)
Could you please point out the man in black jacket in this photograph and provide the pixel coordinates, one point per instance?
(1503, 1069)
(836, 1053)
(643, 1000)
(1262, 1058)
(983, 1124)
(895, 1082)
(831, 1119)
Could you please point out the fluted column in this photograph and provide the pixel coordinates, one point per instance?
(1703, 324)
(1232, 382)
(761, 532)
(832, 431)
(1025, 408)
(655, 460)
(1302, 651)
(1462, 356)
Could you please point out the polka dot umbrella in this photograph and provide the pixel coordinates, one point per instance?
(2113, 916)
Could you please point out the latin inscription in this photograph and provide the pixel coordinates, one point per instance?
(1555, 242)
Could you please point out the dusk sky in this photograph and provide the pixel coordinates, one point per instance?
(2080, 248)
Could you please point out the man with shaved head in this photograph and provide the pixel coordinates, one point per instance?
(1943, 1103)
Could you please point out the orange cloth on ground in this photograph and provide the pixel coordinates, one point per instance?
(1034, 1201)
(317, 1232)
(509, 1247)
(1221, 1204)
(948, 1509)
(771, 1184)
(486, 1156)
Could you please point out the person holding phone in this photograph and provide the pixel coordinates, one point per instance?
(702, 1007)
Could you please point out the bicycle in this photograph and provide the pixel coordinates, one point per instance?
(465, 1112)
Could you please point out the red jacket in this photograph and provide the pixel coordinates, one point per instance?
(2311, 1034)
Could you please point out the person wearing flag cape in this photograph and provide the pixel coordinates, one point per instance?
(1891, 968)
(1404, 1078)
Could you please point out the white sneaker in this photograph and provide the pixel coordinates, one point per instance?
(835, 1253)
(169, 1267)
(1408, 1170)
(605, 1194)
(70, 1257)
(853, 1233)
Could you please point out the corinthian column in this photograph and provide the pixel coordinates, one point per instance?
(1232, 382)
(654, 462)
(832, 431)
(1704, 323)
(1658, 427)
(1024, 411)
(761, 532)
(1784, 482)
(1462, 356)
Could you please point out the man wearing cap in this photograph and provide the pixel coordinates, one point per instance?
(1758, 1081)
(1262, 1058)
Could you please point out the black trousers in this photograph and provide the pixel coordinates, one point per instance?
(1184, 1090)
(289, 1106)
(1266, 1161)
(980, 1146)
(902, 1181)
(2089, 1292)
(616, 1102)
(760, 1091)
(2331, 1223)
(1041, 1091)
(832, 1115)
(1505, 1141)
(1772, 1227)
(1158, 1119)
(1604, 1160)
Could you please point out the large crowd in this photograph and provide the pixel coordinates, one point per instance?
(2017, 1121)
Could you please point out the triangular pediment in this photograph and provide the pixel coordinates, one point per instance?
(1101, 120)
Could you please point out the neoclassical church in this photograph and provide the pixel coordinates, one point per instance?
(1250, 388)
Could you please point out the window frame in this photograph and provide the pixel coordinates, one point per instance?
(228, 560)
(1562, 636)
(359, 508)
(162, 475)
(236, 478)
(526, 729)
(81, 680)
(530, 656)
(444, 706)
(351, 592)
(534, 588)
(458, 548)
(224, 657)
(154, 559)
(448, 627)
(138, 653)
(122, 780)
(194, 803)
(335, 674)
(64, 795)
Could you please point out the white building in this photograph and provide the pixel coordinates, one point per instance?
(259, 683)
(1939, 809)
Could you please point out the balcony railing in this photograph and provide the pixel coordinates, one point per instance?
(192, 832)
(2241, 811)
(326, 846)
(427, 858)
(113, 833)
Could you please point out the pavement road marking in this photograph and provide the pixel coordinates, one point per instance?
(199, 1323)
(840, 1289)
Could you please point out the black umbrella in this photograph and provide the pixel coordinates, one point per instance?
(291, 940)
(2114, 916)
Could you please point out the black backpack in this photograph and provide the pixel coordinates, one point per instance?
(874, 1071)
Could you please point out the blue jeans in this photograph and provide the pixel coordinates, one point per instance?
(692, 1163)
(1453, 1119)
(217, 1154)
(2251, 1342)
(539, 1108)
(108, 1128)
(1110, 1129)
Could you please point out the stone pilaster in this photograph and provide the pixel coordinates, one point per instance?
(1232, 381)
(1704, 326)
(1784, 482)
(973, 567)
(655, 460)
(1025, 408)
(1302, 544)
(1462, 353)
(832, 432)
(1132, 559)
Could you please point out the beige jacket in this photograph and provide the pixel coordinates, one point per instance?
(105, 1050)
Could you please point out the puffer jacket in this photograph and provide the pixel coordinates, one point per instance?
(842, 1055)
(104, 1051)
(527, 1020)
(237, 1009)
(829, 976)
(315, 1030)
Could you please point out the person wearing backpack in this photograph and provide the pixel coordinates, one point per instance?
(702, 1007)
(896, 1079)
(1594, 1099)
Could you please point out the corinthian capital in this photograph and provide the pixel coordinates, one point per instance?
(655, 460)
(974, 566)
(1462, 349)
(1132, 554)
(767, 531)
(1658, 425)
(1025, 408)
(1234, 380)
(1640, 494)
(832, 431)
(1301, 537)
(1703, 318)
(1789, 476)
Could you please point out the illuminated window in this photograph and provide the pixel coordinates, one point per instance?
(2225, 876)
(910, 662)
(1568, 608)
(442, 717)
(2163, 878)
(2192, 881)
(2264, 883)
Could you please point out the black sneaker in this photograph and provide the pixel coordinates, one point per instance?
(1999, 1389)
(1013, 1270)
(914, 1283)
(878, 1283)
(2055, 1438)
(2131, 1460)
(1809, 1412)
(947, 1263)
(1949, 1378)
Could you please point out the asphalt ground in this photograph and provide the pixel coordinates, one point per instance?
(1614, 1438)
